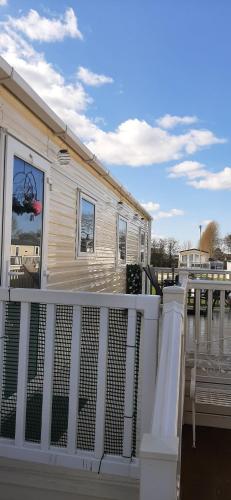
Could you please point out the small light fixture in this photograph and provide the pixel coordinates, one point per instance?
(120, 205)
(136, 217)
(63, 157)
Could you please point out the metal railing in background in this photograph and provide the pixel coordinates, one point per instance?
(164, 273)
(210, 304)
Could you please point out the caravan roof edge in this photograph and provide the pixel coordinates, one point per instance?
(10, 79)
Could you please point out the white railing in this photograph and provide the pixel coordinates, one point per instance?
(57, 364)
(160, 448)
(210, 304)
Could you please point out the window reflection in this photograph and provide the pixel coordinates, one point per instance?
(27, 223)
(142, 243)
(122, 239)
(87, 226)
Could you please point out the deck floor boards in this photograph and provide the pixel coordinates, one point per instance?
(206, 470)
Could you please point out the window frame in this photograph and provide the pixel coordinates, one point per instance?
(121, 262)
(15, 148)
(83, 196)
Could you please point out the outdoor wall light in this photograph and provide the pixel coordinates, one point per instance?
(63, 157)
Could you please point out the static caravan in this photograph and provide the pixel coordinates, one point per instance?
(65, 222)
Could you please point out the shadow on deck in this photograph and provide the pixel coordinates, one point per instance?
(205, 471)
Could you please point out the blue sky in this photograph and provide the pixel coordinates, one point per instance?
(146, 85)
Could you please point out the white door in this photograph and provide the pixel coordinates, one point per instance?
(24, 242)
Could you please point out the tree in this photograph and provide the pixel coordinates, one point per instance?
(227, 242)
(172, 251)
(218, 254)
(210, 238)
(158, 256)
(164, 252)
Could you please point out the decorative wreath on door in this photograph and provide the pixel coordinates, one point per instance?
(25, 199)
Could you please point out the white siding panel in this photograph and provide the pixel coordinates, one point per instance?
(66, 270)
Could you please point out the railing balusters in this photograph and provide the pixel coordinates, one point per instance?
(222, 311)
(197, 314)
(129, 384)
(209, 317)
(48, 377)
(74, 380)
(44, 351)
(2, 333)
(101, 383)
(22, 374)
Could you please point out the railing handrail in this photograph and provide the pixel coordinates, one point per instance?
(192, 270)
(147, 304)
(209, 285)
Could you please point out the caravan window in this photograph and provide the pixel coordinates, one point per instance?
(122, 240)
(87, 226)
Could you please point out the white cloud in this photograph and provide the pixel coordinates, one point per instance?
(93, 79)
(151, 206)
(134, 142)
(201, 178)
(214, 181)
(171, 121)
(3, 2)
(174, 212)
(43, 29)
(154, 209)
(190, 169)
(68, 100)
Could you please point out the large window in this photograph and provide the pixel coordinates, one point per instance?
(87, 226)
(122, 240)
(27, 225)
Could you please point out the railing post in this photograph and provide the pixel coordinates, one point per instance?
(159, 458)
(22, 374)
(149, 350)
(159, 451)
(48, 377)
(101, 383)
(129, 384)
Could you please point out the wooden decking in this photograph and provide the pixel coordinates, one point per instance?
(205, 471)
